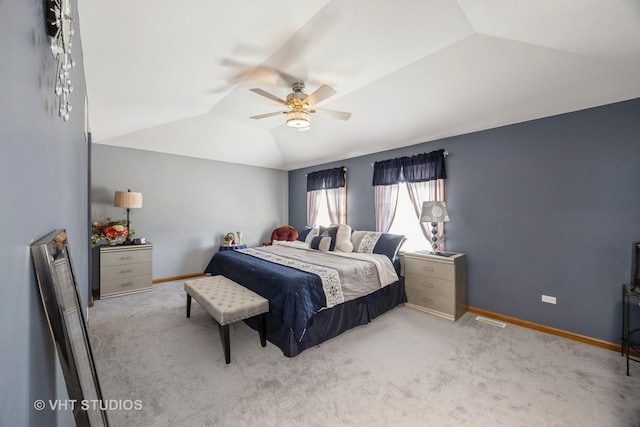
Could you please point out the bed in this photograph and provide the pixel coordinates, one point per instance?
(315, 295)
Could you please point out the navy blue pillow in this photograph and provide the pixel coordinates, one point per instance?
(316, 243)
(330, 232)
(302, 236)
(389, 245)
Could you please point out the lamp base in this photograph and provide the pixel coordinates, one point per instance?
(434, 237)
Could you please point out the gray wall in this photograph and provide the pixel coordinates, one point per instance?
(189, 204)
(44, 186)
(549, 207)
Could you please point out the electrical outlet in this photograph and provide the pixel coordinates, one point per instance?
(548, 299)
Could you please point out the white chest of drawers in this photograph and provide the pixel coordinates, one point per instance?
(436, 284)
(124, 269)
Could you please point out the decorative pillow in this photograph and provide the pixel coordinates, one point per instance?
(302, 236)
(364, 241)
(345, 246)
(375, 242)
(314, 232)
(322, 243)
(329, 232)
(343, 235)
(389, 245)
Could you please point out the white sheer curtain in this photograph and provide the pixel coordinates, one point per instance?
(386, 200)
(427, 191)
(423, 174)
(336, 204)
(332, 184)
(313, 204)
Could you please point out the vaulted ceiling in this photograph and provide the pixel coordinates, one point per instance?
(174, 77)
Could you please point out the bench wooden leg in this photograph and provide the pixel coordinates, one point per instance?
(188, 305)
(262, 329)
(225, 343)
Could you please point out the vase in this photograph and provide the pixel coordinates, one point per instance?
(112, 242)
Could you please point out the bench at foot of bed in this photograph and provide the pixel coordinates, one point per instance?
(227, 302)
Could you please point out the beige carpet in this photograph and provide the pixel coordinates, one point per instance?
(406, 368)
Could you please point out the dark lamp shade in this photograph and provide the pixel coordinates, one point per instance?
(127, 199)
(434, 212)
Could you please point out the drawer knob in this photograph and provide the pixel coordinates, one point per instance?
(428, 285)
(129, 270)
(126, 257)
(428, 301)
(427, 268)
(126, 284)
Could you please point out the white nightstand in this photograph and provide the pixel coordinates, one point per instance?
(436, 284)
(124, 269)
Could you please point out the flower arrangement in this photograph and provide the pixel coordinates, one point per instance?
(108, 230)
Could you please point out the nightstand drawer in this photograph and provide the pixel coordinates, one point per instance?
(125, 285)
(431, 285)
(125, 256)
(431, 301)
(125, 270)
(429, 268)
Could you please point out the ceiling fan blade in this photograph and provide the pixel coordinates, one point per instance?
(268, 95)
(322, 93)
(340, 115)
(262, 116)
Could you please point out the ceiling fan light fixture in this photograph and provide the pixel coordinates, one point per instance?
(298, 119)
(300, 106)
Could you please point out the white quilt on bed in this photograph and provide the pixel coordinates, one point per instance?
(345, 276)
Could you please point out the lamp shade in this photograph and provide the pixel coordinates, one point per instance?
(127, 199)
(434, 212)
(298, 119)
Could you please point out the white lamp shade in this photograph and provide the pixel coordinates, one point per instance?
(298, 119)
(434, 212)
(127, 199)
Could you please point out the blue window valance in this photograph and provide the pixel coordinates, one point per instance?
(418, 168)
(326, 179)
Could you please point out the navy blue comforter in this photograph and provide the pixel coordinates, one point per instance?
(296, 294)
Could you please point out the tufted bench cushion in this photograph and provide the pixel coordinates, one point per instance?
(227, 302)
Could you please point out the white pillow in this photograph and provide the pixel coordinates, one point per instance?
(325, 244)
(343, 235)
(345, 246)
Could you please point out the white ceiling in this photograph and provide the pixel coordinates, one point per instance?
(174, 77)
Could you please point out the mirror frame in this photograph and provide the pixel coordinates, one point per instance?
(61, 302)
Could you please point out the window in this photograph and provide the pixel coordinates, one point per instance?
(323, 217)
(327, 197)
(401, 186)
(406, 222)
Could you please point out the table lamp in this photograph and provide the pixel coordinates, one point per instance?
(434, 212)
(127, 199)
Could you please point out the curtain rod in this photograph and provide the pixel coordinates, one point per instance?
(445, 154)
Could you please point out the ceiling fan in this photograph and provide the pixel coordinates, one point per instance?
(300, 105)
